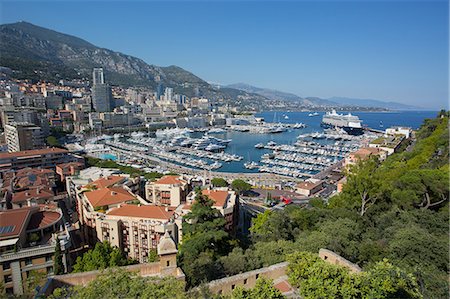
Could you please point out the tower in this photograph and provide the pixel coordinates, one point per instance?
(167, 251)
(102, 100)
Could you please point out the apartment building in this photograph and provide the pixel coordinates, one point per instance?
(170, 190)
(138, 229)
(28, 238)
(23, 136)
(100, 196)
(38, 158)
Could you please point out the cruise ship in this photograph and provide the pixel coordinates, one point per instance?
(349, 123)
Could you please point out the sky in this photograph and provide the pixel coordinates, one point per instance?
(388, 50)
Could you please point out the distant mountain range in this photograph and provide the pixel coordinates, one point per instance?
(39, 53)
(334, 101)
(43, 54)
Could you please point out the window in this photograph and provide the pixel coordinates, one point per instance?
(10, 291)
(233, 286)
(28, 261)
(245, 281)
(50, 270)
(6, 266)
(257, 276)
(168, 263)
(7, 278)
(48, 258)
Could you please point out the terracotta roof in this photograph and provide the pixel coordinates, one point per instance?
(35, 193)
(108, 196)
(170, 180)
(218, 196)
(107, 182)
(76, 165)
(12, 222)
(283, 286)
(151, 212)
(308, 185)
(42, 219)
(44, 151)
(366, 151)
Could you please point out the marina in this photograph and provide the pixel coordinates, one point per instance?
(303, 149)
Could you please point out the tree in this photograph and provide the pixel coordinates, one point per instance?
(219, 182)
(263, 289)
(319, 279)
(101, 257)
(364, 183)
(53, 141)
(240, 186)
(123, 284)
(58, 266)
(204, 241)
(34, 278)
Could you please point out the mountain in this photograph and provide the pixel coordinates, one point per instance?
(319, 102)
(42, 54)
(268, 93)
(372, 103)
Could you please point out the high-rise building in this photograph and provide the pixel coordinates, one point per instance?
(23, 136)
(97, 76)
(102, 100)
(168, 94)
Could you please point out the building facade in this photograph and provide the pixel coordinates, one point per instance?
(23, 136)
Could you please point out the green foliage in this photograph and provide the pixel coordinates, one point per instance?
(58, 266)
(90, 161)
(263, 289)
(122, 284)
(34, 278)
(240, 186)
(53, 141)
(153, 255)
(319, 279)
(204, 241)
(219, 182)
(101, 257)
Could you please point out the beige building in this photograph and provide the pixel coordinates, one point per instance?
(138, 229)
(99, 197)
(169, 190)
(23, 136)
(309, 188)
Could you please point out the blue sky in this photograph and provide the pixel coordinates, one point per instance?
(396, 50)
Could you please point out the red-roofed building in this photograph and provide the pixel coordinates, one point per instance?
(364, 153)
(68, 169)
(170, 190)
(27, 242)
(137, 229)
(39, 158)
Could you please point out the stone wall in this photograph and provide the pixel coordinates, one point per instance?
(335, 259)
(83, 278)
(247, 279)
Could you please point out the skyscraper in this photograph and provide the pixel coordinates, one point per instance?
(102, 100)
(97, 76)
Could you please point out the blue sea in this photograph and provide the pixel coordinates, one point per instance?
(243, 142)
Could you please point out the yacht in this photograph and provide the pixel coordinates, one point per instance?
(259, 145)
(251, 165)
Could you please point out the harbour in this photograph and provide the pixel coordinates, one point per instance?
(294, 146)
